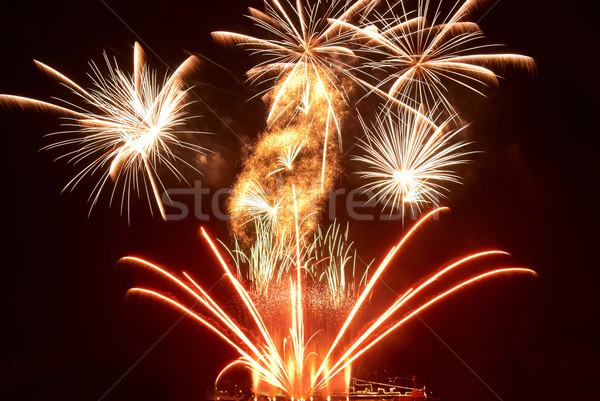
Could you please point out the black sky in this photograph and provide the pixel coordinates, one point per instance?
(69, 333)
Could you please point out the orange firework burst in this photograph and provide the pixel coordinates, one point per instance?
(292, 359)
(308, 60)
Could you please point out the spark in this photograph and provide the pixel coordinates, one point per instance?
(409, 163)
(266, 263)
(126, 129)
(333, 263)
(286, 160)
(330, 262)
(285, 155)
(130, 126)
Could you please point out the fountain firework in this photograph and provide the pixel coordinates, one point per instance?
(293, 356)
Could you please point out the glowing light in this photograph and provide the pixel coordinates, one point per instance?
(290, 153)
(329, 259)
(309, 63)
(130, 126)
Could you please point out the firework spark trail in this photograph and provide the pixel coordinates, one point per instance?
(331, 252)
(266, 263)
(422, 53)
(408, 162)
(329, 255)
(351, 357)
(291, 371)
(126, 128)
(369, 286)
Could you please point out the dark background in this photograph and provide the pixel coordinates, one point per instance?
(70, 334)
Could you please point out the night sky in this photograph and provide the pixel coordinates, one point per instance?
(69, 333)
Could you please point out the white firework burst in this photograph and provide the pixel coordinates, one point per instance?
(126, 128)
(422, 52)
(407, 161)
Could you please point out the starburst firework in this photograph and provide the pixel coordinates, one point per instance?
(421, 53)
(286, 160)
(301, 43)
(254, 204)
(306, 58)
(127, 127)
(407, 162)
(131, 126)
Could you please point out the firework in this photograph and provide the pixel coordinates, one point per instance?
(267, 262)
(421, 52)
(294, 279)
(255, 205)
(333, 264)
(408, 162)
(330, 264)
(289, 362)
(307, 59)
(127, 127)
(302, 44)
(286, 160)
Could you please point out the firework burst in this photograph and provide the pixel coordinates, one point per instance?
(407, 162)
(286, 160)
(302, 43)
(253, 204)
(126, 129)
(306, 59)
(421, 53)
(295, 280)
